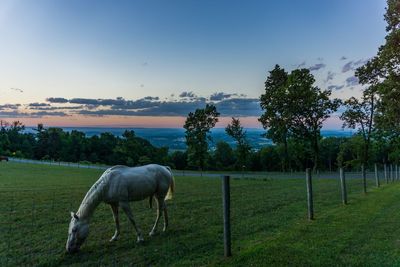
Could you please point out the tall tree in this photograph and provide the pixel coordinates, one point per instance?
(198, 126)
(277, 116)
(383, 73)
(236, 131)
(360, 114)
(310, 107)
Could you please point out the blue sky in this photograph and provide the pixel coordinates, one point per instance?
(134, 49)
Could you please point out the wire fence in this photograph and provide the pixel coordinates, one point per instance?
(35, 216)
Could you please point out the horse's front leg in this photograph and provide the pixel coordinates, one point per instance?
(114, 208)
(160, 204)
(127, 209)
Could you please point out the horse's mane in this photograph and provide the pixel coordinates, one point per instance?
(95, 191)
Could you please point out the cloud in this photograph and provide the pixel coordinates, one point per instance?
(36, 104)
(335, 87)
(187, 94)
(57, 100)
(9, 106)
(353, 65)
(302, 64)
(18, 114)
(85, 101)
(352, 81)
(240, 107)
(330, 76)
(228, 104)
(317, 66)
(227, 107)
(220, 96)
(17, 89)
(57, 108)
(151, 98)
(347, 67)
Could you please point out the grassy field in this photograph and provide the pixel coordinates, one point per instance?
(269, 223)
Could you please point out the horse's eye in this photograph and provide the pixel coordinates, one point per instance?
(74, 230)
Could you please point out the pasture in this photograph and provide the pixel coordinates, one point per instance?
(269, 222)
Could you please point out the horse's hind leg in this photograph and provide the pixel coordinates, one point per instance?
(165, 216)
(160, 206)
(114, 208)
(127, 209)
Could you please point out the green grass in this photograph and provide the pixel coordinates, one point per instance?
(269, 223)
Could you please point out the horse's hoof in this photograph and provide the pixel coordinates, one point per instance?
(140, 240)
(113, 239)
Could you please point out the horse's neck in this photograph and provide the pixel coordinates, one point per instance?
(91, 201)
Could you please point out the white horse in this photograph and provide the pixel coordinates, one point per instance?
(118, 186)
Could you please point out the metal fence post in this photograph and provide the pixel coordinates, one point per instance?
(227, 214)
(343, 186)
(310, 204)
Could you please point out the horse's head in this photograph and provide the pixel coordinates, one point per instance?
(77, 232)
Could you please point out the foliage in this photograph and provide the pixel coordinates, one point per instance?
(310, 108)
(277, 116)
(198, 126)
(383, 73)
(224, 156)
(360, 114)
(58, 145)
(236, 131)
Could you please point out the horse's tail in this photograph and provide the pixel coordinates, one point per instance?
(171, 188)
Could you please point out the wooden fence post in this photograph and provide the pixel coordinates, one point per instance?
(226, 203)
(343, 186)
(376, 175)
(385, 173)
(364, 177)
(310, 203)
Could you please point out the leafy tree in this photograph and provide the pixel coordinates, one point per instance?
(132, 150)
(277, 116)
(270, 158)
(198, 126)
(310, 107)
(178, 160)
(351, 152)
(236, 131)
(330, 150)
(224, 156)
(360, 114)
(383, 73)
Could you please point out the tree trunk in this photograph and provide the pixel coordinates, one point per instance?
(316, 152)
(286, 154)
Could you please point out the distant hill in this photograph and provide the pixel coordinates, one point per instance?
(174, 138)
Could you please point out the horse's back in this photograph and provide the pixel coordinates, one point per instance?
(137, 183)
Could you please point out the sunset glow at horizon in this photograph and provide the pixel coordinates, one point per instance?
(141, 122)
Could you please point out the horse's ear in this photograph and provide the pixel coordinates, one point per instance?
(73, 215)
